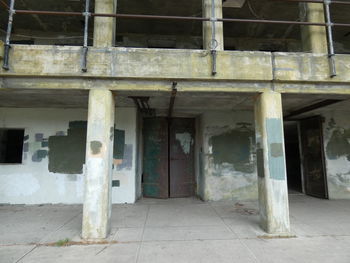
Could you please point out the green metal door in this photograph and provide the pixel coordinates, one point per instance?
(155, 158)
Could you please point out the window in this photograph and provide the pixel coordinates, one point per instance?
(11, 145)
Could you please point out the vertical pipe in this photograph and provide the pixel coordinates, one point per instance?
(8, 36)
(329, 26)
(214, 43)
(86, 35)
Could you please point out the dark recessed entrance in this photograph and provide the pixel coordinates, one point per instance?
(305, 157)
(311, 134)
(168, 157)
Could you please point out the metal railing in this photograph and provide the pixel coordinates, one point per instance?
(329, 25)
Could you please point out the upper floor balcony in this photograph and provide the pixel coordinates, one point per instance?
(210, 40)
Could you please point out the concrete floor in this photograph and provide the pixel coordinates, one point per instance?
(179, 230)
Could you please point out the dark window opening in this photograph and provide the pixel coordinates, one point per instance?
(11, 145)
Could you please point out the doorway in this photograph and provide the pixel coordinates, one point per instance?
(293, 160)
(313, 161)
(168, 157)
(305, 158)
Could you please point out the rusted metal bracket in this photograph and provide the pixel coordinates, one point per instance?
(143, 105)
(172, 100)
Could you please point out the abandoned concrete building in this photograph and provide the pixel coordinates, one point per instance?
(109, 101)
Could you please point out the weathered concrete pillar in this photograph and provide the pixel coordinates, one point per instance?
(207, 26)
(273, 192)
(314, 38)
(104, 29)
(99, 155)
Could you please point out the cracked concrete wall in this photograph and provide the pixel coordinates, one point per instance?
(337, 153)
(32, 182)
(227, 160)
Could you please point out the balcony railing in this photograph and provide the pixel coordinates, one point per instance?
(329, 25)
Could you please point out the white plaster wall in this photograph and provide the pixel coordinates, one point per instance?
(224, 181)
(337, 168)
(126, 119)
(32, 183)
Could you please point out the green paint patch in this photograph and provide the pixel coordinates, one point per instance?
(339, 145)
(67, 153)
(276, 149)
(39, 155)
(95, 147)
(234, 147)
(115, 183)
(275, 144)
(119, 144)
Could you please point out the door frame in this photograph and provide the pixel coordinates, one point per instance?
(168, 141)
(324, 165)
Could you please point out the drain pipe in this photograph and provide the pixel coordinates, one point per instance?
(8, 36)
(87, 16)
(214, 42)
(331, 53)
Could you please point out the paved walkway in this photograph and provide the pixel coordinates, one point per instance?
(178, 230)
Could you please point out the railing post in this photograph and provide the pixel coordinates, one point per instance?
(87, 15)
(8, 36)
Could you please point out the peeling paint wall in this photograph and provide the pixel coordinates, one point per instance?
(125, 161)
(337, 153)
(227, 160)
(54, 144)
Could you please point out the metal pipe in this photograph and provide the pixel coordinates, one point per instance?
(331, 53)
(313, 1)
(183, 18)
(8, 36)
(86, 35)
(37, 12)
(213, 42)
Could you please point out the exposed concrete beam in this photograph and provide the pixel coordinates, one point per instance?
(137, 63)
(169, 65)
(165, 86)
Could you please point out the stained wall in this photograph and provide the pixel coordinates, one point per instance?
(227, 158)
(337, 152)
(53, 166)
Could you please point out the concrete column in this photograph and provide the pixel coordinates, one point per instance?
(104, 29)
(99, 156)
(314, 38)
(207, 26)
(272, 180)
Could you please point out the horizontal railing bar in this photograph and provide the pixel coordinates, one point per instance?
(314, 1)
(182, 18)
